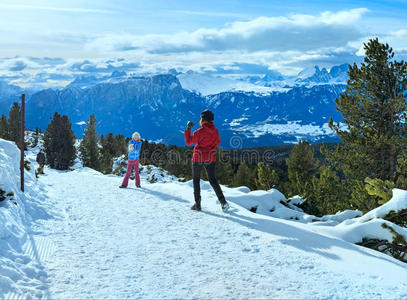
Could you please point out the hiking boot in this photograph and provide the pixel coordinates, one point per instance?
(196, 207)
(139, 186)
(225, 206)
(122, 187)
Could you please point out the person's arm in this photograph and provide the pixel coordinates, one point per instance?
(191, 139)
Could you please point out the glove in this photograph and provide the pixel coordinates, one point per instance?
(190, 125)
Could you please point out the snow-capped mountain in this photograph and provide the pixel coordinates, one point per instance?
(312, 76)
(207, 85)
(282, 110)
(8, 94)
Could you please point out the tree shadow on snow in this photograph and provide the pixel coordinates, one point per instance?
(296, 237)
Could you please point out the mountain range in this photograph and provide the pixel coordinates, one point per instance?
(261, 110)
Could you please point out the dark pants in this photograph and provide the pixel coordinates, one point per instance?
(210, 168)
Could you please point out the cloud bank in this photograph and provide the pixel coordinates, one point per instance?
(292, 33)
(286, 44)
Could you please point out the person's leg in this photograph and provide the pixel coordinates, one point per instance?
(136, 172)
(196, 175)
(128, 172)
(211, 171)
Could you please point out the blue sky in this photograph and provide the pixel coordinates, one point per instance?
(55, 40)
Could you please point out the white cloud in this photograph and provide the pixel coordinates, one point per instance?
(287, 44)
(295, 32)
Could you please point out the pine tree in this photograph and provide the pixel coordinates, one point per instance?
(326, 194)
(59, 143)
(373, 107)
(244, 176)
(121, 145)
(4, 131)
(14, 123)
(108, 143)
(266, 178)
(89, 146)
(224, 169)
(106, 162)
(359, 197)
(380, 188)
(301, 166)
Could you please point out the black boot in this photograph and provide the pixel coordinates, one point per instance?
(197, 205)
(224, 204)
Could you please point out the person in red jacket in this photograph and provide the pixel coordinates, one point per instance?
(207, 140)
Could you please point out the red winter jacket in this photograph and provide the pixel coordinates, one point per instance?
(206, 139)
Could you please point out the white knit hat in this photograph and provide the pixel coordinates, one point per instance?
(136, 134)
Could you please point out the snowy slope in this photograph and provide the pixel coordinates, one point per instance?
(106, 242)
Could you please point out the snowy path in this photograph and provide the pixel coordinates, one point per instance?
(119, 243)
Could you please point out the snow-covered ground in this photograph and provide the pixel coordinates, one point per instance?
(75, 234)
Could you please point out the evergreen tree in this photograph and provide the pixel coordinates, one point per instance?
(380, 188)
(401, 175)
(108, 143)
(374, 109)
(266, 178)
(224, 169)
(244, 176)
(121, 145)
(89, 146)
(59, 143)
(14, 123)
(4, 131)
(359, 197)
(106, 162)
(326, 194)
(301, 166)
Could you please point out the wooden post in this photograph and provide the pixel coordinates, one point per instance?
(22, 144)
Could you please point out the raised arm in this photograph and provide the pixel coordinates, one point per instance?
(190, 139)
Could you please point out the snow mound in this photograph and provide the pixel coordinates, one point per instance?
(372, 225)
(20, 272)
(243, 189)
(396, 203)
(270, 203)
(373, 229)
(339, 217)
